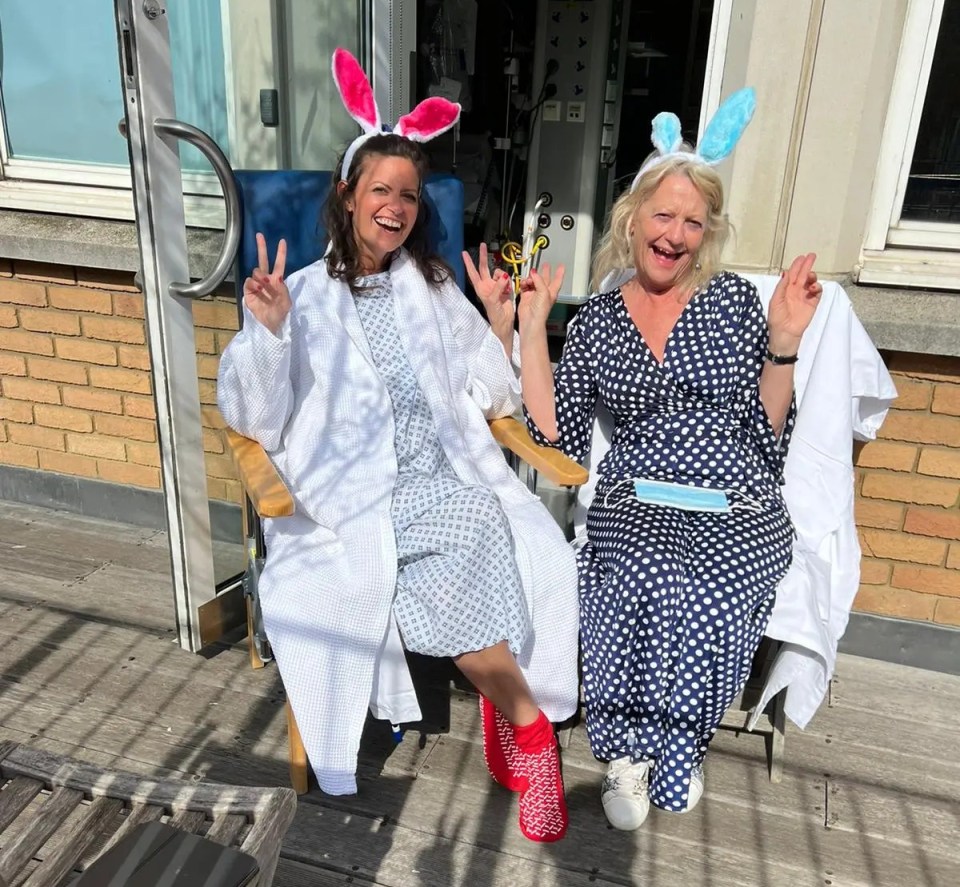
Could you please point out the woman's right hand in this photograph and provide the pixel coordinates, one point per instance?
(264, 292)
(538, 295)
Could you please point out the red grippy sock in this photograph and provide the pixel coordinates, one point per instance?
(543, 808)
(499, 746)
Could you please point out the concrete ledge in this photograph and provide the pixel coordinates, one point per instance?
(92, 243)
(920, 321)
(903, 641)
(107, 501)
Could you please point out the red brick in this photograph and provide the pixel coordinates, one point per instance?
(134, 357)
(927, 580)
(941, 431)
(882, 515)
(923, 366)
(894, 456)
(939, 463)
(125, 427)
(896, 602)
(911, 489)
(26, 343)
(206, 341)
(933, 522)
(37, 436)
(57, 371)
(946, 399)
(947, 611)
(218, 314)
(20, 293)
(14, 454)
(207, 367)
(74, 299)
(953, 558)
(12, 365)
(87, 352)
(45, 271)
(874, 572)
(16, 410)
(93, 399)
(68, 463)
(62, 417)
(31, 390)
(144, 453)
(913, 395)
(98, 446)
(49, 320)
(120, 379)
(128, 305)
(211, 418)
(901, 547)
(141, 407)
(128, 473)
(212, 441)
(101, 278)
(114, 329)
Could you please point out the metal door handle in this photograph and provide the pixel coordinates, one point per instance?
(231, 232)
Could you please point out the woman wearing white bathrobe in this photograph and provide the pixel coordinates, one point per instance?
(368, 378)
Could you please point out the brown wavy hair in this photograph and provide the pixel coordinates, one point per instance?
(343, 259)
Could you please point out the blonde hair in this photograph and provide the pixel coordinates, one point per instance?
(615, 249)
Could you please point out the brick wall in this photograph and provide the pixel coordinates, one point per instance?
(908, 496)
(75, 387)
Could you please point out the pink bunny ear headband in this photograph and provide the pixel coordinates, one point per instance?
(432, 117)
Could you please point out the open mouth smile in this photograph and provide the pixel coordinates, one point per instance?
(388, 224)
(665, 255)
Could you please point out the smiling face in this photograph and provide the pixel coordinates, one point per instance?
(666, 232)
(383, 207)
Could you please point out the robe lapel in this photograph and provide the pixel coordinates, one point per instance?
(346, 311)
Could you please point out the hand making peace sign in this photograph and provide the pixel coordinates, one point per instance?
(793, 304)
(494, 291)
(264, 292)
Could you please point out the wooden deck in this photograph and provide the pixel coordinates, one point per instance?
(90, 669)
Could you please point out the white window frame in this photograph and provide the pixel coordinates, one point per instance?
(898, 251)
(105, 191)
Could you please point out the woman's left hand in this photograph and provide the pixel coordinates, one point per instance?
(495, 292)
(793, 304)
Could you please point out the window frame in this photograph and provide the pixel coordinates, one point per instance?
(900, 251)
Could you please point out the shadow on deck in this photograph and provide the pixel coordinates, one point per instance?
(90, 668)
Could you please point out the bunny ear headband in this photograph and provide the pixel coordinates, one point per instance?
(432, 117)
(719, 138)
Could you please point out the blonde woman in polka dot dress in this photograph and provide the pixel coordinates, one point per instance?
(673, 599)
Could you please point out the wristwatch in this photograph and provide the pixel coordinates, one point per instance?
(781, 359)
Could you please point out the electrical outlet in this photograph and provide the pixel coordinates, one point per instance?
(576, 112)
(551, 112)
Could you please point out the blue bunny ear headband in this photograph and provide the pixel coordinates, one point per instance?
(719, 138)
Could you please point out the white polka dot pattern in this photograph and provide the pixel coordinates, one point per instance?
(673, 604)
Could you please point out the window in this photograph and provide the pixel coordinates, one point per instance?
(913, 234)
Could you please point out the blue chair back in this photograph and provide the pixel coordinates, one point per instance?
(288, 202)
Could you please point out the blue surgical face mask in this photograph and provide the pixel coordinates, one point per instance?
(687, 498)
(656, 492)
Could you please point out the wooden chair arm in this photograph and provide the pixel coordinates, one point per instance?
(262, 483)
(271, 498)
(550, 463)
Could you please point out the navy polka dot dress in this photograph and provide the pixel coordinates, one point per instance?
(673, 603)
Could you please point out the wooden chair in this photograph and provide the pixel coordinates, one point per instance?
(57, 815)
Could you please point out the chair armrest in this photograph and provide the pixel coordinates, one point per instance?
(551, 463)
(260, 479)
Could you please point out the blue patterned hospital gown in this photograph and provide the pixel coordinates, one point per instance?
(458, 587)
(673, 604)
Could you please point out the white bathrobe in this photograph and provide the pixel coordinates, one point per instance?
(843, 391)
(313, 398)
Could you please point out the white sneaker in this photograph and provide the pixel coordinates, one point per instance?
(624, 794)
(695, 791)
